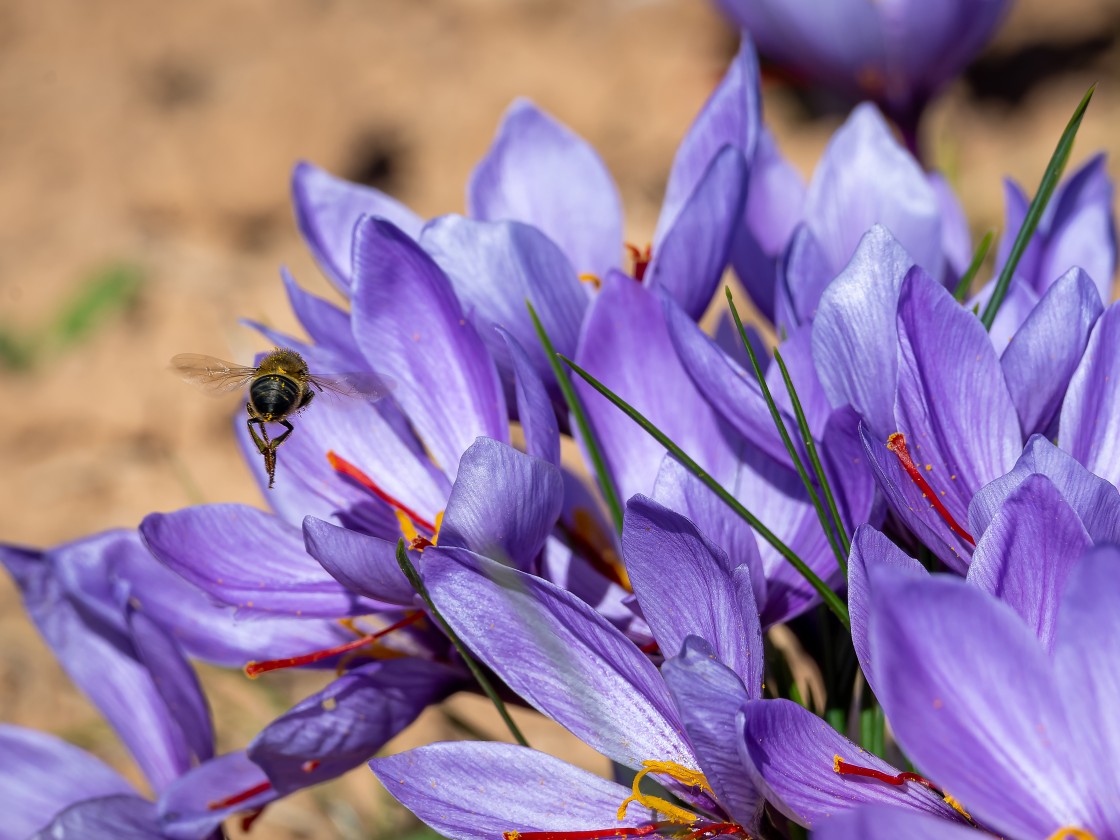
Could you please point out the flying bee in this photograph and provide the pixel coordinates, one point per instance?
(280, 386)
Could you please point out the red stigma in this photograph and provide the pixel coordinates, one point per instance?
(347, 469)
(255, 669)
(896, 443)
(310, 766)
(699, 832)
(238, 798)
(898, 780)
(641, 258)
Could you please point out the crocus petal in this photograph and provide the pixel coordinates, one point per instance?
(789, 753)
(534, 406)
(871, 550)
(866, 178)
(1043, 355)
(327, 325)
(732, 116)
(506, 519)
(327, 210)
(626, 346)
(343, 725)
(176, 682)
(690, 254)
(249, 559)
(1027, 552)
(471, 791)
(121, 817)
(540, 172)
(561, 656)
(972, 700)
(956, 242)
(680, 490)
(100, 659)
(494, 268)
(854, 332)
(688, 587)
(1089, 426)
(797, 353)
(709, 696)
(187, 808)
(1015, 213)
(728, 388)
(1020, 302)
(804, 272)
(41, 775)
(1088, 637)
(411, 327)
(1096, 501)
(883, 822)
(363, 564)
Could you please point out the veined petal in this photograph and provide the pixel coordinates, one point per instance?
(883, 822)
(789, 753)
(804, 272)
(494, 268)
(854, 333)
(42, 775)
(561, 656)
(709, 696)
(120, 817)
(363, 564)
(871, 550)
(1088, 637)
(504, 503)
(535, 409)
(972, 699)
(1026, 554)
(1015, 213)
(865, 178)
(956, 242)
(687, 587)
(326, 324)
(185, 811)
(540, 172)
(691, 252)
(1045, 351)
(1095, 500)
(249, 559)
(343, 725)
(410, 326)
(327, 210)
(627, 347)
(473, 791)
(1089, 426)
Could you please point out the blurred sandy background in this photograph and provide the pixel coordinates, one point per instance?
(144, 159)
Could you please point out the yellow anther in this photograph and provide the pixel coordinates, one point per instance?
(407, 526)
(675, 813)
(1070, 833)
(956, 806)
(593, 279)
(836, 761)
(439, 524)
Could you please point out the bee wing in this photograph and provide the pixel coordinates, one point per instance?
(364, 385)
(211, 374)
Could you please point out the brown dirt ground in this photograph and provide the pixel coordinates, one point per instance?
(161, 136)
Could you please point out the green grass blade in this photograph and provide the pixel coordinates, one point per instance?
(475, 669)
(109, 291)
(965, 283)
(779, 424)
(575, 406)
(1049, 182)
(815, 460)
(827, 595)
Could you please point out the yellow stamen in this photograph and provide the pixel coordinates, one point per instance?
(593, 279)
(407, 528)
(1067, 832)
(956, 806)
(692, 778)
(439, 524)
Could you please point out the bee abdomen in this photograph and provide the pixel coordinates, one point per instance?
(273, 396)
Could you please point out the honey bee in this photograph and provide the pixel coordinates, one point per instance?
(280, 386)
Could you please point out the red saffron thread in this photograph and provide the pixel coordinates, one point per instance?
(714, 830)
(642, 258)
(346, 468)
(896, 443)
(845, 769)
(238, 798)
(255, 669)
(593, 834)
(248, 819)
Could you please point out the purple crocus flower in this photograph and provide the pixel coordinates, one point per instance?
(1015, 725)
(572, 665)
(899, 55)
(939, 427)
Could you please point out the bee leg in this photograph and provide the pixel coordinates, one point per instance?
(266, 447)
(284, 436)
(264, 444)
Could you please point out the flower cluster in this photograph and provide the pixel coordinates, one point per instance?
(907, 514)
